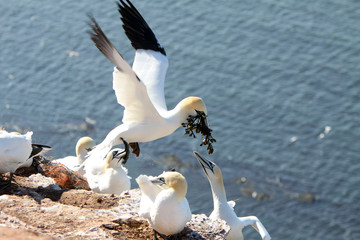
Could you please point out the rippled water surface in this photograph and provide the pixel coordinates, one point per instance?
(281, 81)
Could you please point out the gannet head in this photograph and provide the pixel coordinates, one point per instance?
(211, 170)
(15, 133)
(84, 145)
(190, 104)
(116, 155)
(173, 180)
(194, 112)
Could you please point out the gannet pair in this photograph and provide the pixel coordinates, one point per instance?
(140, 89)
(109, 175)
(223, 209)
(83, 146)
(163, 202)
(17, 151)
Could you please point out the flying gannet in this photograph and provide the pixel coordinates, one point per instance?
(17, 151)
(163, 202)
(109, 175)
(83, 146)
(224, 210)
(141, 89)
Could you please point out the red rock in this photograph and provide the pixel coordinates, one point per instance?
(64, 177)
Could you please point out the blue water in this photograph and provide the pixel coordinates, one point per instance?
(274, 76)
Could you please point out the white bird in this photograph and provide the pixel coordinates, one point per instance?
(109, 175)
(223, 209)
(163, 202)
(83, 146)
(16, 151)
(141, 89)
(37, 149)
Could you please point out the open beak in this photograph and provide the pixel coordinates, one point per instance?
(205, 164)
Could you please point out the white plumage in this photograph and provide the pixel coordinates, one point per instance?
(163, 202)
(83, 146)
(15, 150)
(109, 175)
(141, 89)
(223, 209)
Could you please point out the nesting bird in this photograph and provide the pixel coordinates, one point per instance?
(17, 151)
(140, 89)
(83, 146)
(163, 202)
(224, 210)
(109, 175)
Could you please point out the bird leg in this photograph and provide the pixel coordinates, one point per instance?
(155, 237)
(174, 237)
(171, 237)
(6, 183)
(126, 151)
(135, 147)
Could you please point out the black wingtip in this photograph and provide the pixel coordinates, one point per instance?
(38, 149)
(102, 42)
(136, 29)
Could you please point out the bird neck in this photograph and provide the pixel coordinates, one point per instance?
(179, 196)
(81, 155)
(108, 160)
(179, 115)
(219, 194)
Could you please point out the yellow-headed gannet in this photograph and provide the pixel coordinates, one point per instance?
(141, 89)
(17, 151)
(163, 202)
(109, 175)
(83, 146)
(224, 210)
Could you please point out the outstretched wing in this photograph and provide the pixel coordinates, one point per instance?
(129, 90)
(150, 63)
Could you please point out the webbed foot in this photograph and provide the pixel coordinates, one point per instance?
(135, 147)
(6, 183)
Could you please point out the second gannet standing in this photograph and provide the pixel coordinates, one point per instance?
(37, 149)
(141, 89)
(109, 175)
(222, 209)
(163, 202)
(17, 151)
(83, 146)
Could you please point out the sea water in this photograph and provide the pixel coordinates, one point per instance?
(281, 81)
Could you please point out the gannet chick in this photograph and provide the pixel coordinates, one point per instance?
(83, 146)
(163, 202)
(141, 89)
(109, 175)
(222, 209)
(16, 150)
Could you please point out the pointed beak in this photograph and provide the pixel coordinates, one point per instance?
(205, 164)
(158, 181)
